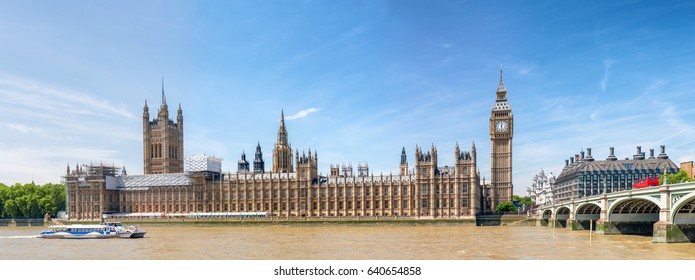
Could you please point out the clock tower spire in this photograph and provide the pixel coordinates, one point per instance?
(501, 132)
(501, 90)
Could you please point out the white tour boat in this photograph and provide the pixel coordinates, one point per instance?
(81, 232)
(132, 231)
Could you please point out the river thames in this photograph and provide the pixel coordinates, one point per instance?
(343, 243)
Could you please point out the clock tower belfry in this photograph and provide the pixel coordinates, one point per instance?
(501, 132)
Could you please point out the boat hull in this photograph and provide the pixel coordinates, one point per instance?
(138, 235)
(132, 234)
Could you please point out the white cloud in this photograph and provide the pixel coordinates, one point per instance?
(47, 164)
(447, 45)
(673, 126)
(302, 114)
(16, 91)
(526, 70)
(607, 63)
(47, 126)
(594, 115)
(23, 128)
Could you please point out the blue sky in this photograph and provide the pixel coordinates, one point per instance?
(357, 80)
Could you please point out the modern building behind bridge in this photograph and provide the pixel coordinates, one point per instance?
(584, 176)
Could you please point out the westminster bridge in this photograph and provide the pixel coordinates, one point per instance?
(665, 212)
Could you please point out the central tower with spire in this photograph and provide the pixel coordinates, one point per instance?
(501, 132)
(282, 152)
(162, 140)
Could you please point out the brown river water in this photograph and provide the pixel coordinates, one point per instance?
(342, 243)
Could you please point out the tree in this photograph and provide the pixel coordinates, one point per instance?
(11, 209)
(31, 201)
(506, 207)
(3, 198)
(527, 201)
(58, 195)
(675, 178)
(523, 200)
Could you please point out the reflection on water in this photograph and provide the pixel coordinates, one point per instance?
(341, 243)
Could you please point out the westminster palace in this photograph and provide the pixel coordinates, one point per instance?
(292, 187)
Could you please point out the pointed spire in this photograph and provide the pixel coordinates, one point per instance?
(164, 98)
(500, 87)
(282, 132)
(282, 118)
(145, 111)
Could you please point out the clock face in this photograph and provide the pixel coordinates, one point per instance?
(501, 126)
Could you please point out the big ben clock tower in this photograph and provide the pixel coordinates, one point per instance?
(501, 132)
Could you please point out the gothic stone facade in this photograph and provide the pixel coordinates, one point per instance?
(293, 187)
(430, 191)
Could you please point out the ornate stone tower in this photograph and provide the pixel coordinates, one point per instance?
(404, 163)
(243, 164)
(425, 163)
(162, 140)
(258, 163)
(362, 169)
(307, 165)
(282, 153)
(501, 132)
(466, 171)
(426, 170)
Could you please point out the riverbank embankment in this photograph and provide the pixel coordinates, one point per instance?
(480, 220)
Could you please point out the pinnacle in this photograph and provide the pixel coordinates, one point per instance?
(500, 87)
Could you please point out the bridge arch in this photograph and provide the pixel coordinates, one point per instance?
(622, 204)
(683, 215)
(634, 215)
(547, 214)
(684, 207)
(587, 211)
(562, 213)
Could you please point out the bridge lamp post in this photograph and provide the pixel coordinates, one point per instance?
(591, 228)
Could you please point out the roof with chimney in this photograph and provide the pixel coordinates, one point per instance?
(638, 164)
